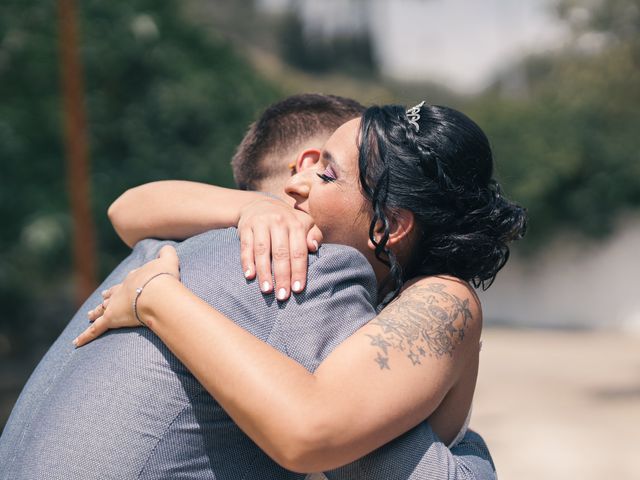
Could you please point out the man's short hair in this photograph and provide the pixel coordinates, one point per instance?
(283, 127)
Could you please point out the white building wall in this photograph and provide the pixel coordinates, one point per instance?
(460, 43)
(572, 284)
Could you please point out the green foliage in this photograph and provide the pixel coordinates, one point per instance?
(619, 19)
(566, 147)
(164, 100)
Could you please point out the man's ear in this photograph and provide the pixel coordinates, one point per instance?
(401, 224)
(307, 158)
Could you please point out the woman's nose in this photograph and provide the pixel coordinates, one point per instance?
(299, 184)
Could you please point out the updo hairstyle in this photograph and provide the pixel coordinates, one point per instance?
(443, 173)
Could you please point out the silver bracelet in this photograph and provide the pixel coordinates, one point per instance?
(139, 291)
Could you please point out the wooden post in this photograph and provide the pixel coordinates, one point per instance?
(77, 151)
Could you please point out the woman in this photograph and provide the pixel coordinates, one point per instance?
(413, 192)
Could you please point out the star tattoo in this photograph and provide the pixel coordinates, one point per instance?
(425, 320)
(383, 362)
(379, 341)
(415, 359)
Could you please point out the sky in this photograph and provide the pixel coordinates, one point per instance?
(460, 43)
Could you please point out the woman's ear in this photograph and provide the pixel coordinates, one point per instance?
(307, 158)
(401, 224)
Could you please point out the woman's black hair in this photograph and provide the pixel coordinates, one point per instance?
(443, 174)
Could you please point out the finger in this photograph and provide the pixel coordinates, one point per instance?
(109, 292)
(92, 332)
(167, 252)
(96, 312)
(169, 255)
(106, 293)
(246, 253)
(281, 261)
(314, 239)
(262, 255)
(299, 256)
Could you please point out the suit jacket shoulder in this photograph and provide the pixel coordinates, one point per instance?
(340, 298)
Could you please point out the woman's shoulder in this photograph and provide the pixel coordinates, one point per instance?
(445, 287)
(445, 309)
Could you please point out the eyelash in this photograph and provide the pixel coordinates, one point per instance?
(328, 175)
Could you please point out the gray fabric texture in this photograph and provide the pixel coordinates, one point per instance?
(124, 407)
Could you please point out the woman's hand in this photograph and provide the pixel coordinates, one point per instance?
(269, 230)
(116, 311)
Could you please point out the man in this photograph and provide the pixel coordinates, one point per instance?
(125, 407)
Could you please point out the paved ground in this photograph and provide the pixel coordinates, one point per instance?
(551, 404)
(560, 405)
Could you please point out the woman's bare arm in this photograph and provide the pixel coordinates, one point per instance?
(375, 386)
(175, 209)
(385, 379)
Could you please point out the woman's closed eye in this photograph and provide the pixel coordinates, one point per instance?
(328, 175)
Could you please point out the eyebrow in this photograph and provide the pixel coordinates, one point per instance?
(330, 159)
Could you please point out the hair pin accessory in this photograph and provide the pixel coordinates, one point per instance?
(413, 114)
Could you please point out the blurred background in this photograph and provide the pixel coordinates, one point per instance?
(97, 96)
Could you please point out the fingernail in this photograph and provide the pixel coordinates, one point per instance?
(282, 293)
(247, 273)
(75, 342)
(89, 313)
(297, 286)
(265, 286)
(104, 292)
(315, 244)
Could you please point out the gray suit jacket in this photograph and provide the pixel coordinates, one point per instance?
(124, 407)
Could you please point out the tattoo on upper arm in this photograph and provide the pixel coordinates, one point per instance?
(426, 320)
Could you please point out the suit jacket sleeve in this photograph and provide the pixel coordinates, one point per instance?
(419, 454)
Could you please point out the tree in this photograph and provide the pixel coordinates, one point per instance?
(165, 100)
(566, 145)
